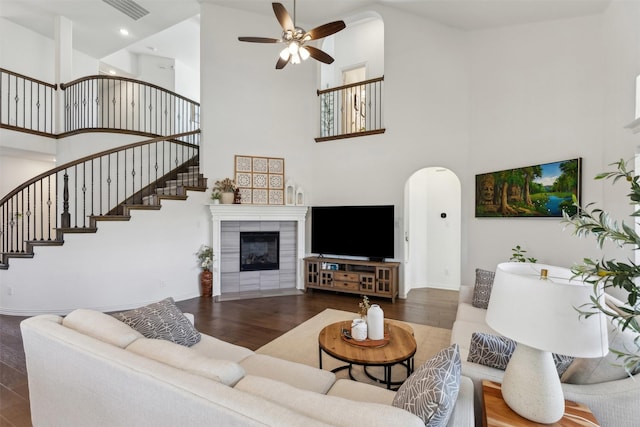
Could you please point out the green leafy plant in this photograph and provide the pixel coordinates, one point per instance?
(205, 256)
(611, 273)
(216, 195)
(518, 255)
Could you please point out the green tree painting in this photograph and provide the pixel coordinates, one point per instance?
(545, 190)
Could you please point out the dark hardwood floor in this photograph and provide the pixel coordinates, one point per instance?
(247, 322)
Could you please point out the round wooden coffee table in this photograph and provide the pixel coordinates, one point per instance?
(399, 350)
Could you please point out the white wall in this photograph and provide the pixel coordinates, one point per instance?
(123, 265)
(249, 107)
(360, 44)
(542, 93)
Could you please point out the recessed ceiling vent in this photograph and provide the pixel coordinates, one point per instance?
(130, 8)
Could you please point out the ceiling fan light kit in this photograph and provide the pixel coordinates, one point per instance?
(295, 38)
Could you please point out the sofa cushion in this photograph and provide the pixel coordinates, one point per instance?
(332, 410)
(496, 351)
(295, 374)
(184, 358)
(431, 391)
(361, 392)
(161, 320)
(462, 331)
(482, 288)
(216, 348)
(101, 326)
(608, 368)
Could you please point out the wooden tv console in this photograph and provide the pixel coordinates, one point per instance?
(371, 278)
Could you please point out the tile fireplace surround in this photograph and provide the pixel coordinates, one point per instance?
(256, 213)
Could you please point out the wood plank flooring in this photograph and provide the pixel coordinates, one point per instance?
(247, 322)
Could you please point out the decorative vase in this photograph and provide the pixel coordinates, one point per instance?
(227, 198)
(206, 283)
(375, 322)
(216, 201)
(359, 330)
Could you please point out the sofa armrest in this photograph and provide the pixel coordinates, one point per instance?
(612, 402)
(465, 294)
(463, 412)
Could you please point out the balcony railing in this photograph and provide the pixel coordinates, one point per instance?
(26, 104)
(351, 110)
(97, 103)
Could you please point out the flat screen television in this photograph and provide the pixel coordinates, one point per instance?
(358, 231)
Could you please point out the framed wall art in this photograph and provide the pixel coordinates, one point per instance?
(260, 179)
(544, 190)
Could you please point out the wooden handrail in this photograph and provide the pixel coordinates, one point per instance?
(337, 88)
(172, 138)
(22, 76)
(64, 86)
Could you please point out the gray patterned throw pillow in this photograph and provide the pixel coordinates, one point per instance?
(161, 320)
(431, 391)
(496, 351)
(482, 288)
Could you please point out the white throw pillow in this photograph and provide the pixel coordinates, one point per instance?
(432, 390)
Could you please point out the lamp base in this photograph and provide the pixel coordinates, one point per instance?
(531, 385)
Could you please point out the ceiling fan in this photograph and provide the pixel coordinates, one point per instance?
(296, 49)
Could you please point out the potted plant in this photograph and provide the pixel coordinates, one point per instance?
(215, 196)
(206, 257)
(612, 273)
(226, 187)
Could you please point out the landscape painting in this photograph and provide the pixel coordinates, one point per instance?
(544, 190)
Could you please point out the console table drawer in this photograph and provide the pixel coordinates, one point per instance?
(347, 277)
(352, 286)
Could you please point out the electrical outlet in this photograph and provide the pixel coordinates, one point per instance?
(9, 290)
(163, 284)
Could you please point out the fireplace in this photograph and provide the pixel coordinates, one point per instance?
(259, 250)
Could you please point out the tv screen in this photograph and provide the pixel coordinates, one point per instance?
(359, 231)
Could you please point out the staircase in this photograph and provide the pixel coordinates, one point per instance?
(106, 186)
(175, 189)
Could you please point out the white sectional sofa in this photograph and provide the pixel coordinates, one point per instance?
(89, 369)
(615, 403)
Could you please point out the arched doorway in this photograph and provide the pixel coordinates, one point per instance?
(432, 230)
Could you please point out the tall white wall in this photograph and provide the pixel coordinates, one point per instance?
(547, 92)
(123, 265)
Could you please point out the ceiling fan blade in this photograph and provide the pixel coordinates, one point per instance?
(258, 40)
(325, 30)
(319, 55)
(283, 16)
(282, 62)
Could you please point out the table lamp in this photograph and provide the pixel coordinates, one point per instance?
(535, 305)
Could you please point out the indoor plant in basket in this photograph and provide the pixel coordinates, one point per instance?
(226, 187)
(205, 257)
(612, 273)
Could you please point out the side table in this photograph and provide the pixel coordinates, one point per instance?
(496, 412)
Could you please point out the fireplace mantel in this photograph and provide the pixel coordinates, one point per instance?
(233, 212)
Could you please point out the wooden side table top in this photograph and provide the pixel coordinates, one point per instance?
(401, 346)
(496, 412)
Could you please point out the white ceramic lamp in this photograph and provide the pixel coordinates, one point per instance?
(540, 315)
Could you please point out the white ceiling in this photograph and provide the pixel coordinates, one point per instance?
(171, 22)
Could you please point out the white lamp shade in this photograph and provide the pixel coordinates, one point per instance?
(542, 313)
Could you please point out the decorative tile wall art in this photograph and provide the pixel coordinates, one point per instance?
(260, 179)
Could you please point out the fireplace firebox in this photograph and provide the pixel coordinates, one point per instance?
(259, 250)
